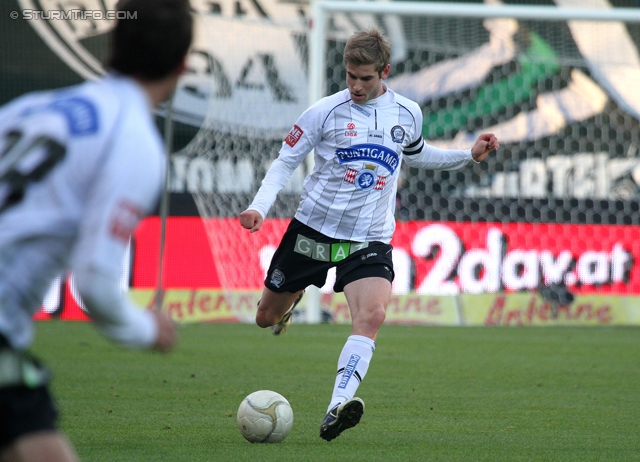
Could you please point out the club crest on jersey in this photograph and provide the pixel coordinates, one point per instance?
(365, 179)
(397, 134)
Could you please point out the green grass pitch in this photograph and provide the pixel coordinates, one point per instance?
(431, 393)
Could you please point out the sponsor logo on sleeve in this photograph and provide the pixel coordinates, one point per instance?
(80, 113)
(294, 136)
(124, 219)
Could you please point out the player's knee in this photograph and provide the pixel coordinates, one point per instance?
(375, 317)
(369, 323)
(378, 316)
(265, 318)
(262, 320)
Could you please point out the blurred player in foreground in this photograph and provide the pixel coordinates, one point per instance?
(79, 168)
(346, 213)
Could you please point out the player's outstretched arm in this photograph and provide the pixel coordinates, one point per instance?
(251, 220)
(485, 143)
(118, 318)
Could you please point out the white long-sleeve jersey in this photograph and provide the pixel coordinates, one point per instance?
(351, 192)
(79, 168)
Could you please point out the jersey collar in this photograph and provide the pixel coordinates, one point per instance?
(382, 100)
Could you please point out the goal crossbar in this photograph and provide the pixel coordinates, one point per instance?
(467, 10)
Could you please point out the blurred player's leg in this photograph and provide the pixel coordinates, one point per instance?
(48, 446)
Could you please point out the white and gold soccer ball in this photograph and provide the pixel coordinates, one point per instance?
(265, 417)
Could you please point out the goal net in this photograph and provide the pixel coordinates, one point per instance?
(556, 205)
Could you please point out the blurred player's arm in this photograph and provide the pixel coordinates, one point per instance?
(118, 318)
(118, 198)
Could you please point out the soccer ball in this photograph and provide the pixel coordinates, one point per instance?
(265, 417)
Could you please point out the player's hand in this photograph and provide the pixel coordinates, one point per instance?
(251, 220)
(166, 338)
(485, 143)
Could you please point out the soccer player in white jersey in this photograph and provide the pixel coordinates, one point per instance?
(79, 168)
(346, 213)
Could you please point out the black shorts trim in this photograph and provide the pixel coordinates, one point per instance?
(362, 272)
(25, 410)
(291, 271)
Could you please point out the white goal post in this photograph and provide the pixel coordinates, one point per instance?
(322, 11)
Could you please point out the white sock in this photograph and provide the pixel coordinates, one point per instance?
(352, 367)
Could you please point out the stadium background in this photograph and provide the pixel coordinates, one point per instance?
(587, 223)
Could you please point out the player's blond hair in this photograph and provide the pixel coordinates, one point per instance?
(368, 47)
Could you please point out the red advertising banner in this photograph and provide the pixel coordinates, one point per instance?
(452, 258)
(436, 258)
(430, 258)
